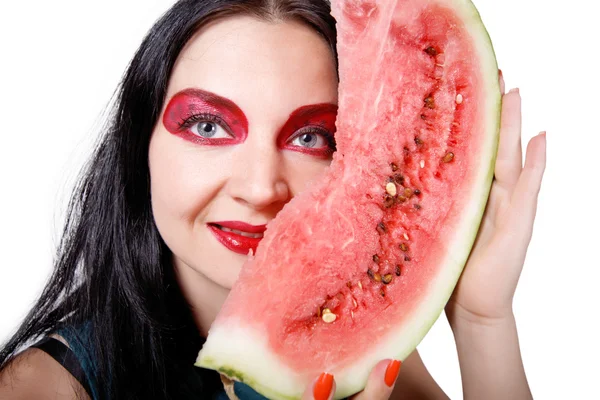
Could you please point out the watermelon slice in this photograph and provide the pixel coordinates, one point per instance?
(357, 268)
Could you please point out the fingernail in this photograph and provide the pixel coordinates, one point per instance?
(543, 133)
(500, 73)
(391, 373)
(514, 90)
(323, 387)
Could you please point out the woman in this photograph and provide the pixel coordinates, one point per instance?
(196, 139)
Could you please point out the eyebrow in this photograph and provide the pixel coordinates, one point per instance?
(209, 97)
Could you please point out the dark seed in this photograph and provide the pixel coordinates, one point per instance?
(423, 116)
(388, 201)
(349, 284)
(403, 247)
(376, 258)
(399, 179)
(406, 258)
(394, 167)
(371, 273)
(417, 192)
(382, 292)
(401, 199)
(448, 157)
(408, 192)
(429, 102)
(398, 271)
(418, 141)
(418, 206)
(381, 228)
(431, 51)
(387, 278)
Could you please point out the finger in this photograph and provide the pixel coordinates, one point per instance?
(381, 381)
(501, 82)
(322, 388)
(525, 196)
(509, 159)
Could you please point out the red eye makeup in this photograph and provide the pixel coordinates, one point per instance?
(310, 130)
(205, 118)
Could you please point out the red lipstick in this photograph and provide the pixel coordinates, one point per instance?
(238, 236)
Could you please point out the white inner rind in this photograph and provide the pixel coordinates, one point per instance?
(244, 354)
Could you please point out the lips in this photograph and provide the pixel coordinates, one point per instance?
(238, 236)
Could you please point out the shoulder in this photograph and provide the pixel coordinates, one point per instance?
(34, 374)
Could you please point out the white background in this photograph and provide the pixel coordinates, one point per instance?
(60, 62)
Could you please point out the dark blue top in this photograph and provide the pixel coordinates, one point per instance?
(80, 345)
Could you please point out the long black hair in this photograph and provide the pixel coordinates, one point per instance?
(113, 271)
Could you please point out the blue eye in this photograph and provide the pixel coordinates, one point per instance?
(209, 130)
(310, 140)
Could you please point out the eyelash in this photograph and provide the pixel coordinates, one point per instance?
(329, 137)
(188, 122)
(195, 118)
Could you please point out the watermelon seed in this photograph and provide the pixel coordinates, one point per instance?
(423, 116)
(394, 167)
(459, 98)
(417, 192)
(408, 192)
(349, 284)
(401, 199)
(381, 228)
(422, 163)
(429, 103)
(374, 275)
(403, 247)
(418, 141)
(352, 314)
(431, 51)
(398, 271)
(406, 236)
(376, 258)
(328, 316)
(418, 206)
(387, 278)
(390, 188)
(382, 292)
(354, 303)
(406, 258)
(359, 284)
(399, 179)
(448, 157)
(388, 201)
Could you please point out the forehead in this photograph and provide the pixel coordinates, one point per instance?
(257, 64)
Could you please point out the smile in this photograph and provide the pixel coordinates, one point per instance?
(246, 234)
(237, 236)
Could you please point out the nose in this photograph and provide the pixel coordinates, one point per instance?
(258, 176)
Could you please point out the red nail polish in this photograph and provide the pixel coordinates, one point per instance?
(391, 373)
(323, 386)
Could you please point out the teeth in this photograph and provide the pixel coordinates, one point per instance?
(245, 234)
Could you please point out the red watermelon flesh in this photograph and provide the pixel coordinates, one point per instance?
(358, 267)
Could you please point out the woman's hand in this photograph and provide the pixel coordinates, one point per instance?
(380, 384)
(484, 293)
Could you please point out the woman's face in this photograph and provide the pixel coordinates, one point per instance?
(248, 121)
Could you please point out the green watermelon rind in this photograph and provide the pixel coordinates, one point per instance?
(466, 233)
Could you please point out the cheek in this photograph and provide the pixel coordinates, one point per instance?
(304, 170)
(182, 186)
